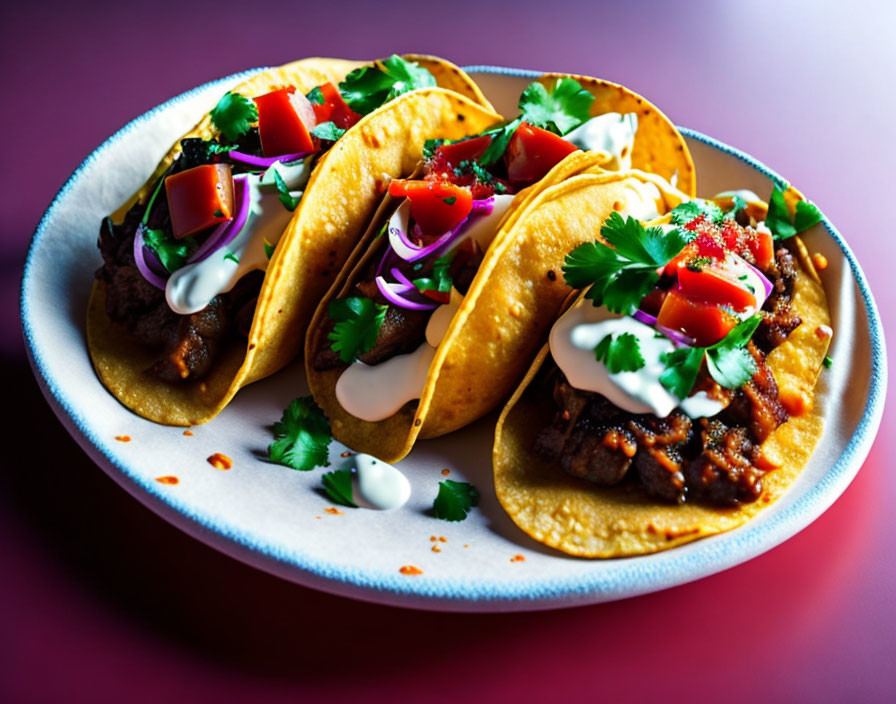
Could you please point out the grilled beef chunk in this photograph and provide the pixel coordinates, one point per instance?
(755, 406)
(661, 442)
(723, 473)
(402, 332)
(779, 320)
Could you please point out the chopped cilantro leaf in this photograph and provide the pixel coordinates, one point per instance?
(234, 115)
(232, 257)
(827, 362)
(441, 276)
(682, 366)
(482, 174)
(315, 96)
(686, 212)
(328, 131)
(367, 88)
(338, 486)
(620, 354)
(171, 252)
(455, 500)
(778, 220)
(560, 110)
(289, 201)
(620, 276)
(430, 146)
(737, 204)
(500, 140)
(301, 436)
(450, 201)
(218, 213)
(807, 215)
(215, 148)
(358, 321)
(269, 249)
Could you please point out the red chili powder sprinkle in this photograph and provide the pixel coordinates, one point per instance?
(167, 480)
(334, 511)
(446, 472)
(518, 558)
(219, 461)
(410, 570)
(123, 438)
(188, 433)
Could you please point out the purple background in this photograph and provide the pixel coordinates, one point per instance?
(100, 600)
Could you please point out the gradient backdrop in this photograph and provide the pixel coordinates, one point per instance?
(102, 601)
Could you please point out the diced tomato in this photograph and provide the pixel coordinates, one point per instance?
(763, 249)
(199, 198)
(532, 152)
(449, 156)
(714, 284)
(280, 127)
(334, 108)
(706, 323)
(436, 206)
(441, 297)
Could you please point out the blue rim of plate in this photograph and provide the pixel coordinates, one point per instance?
(630, 576)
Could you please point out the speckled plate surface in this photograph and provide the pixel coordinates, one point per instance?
(277, 519)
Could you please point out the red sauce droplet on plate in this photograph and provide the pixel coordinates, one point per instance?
(167, 480)
(410, 570)
(219, 461)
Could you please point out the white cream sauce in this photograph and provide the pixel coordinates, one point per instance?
(376, 392)
(378, 485)
(611, 133)
(192, 287)
(572, 342)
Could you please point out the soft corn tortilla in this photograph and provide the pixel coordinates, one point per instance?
(340, 197)
(509, 308)
(659, 147)
(590, 521)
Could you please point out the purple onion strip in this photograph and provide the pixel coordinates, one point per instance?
(226, 231)
(391, 292)
(264, 161)
(140, 260)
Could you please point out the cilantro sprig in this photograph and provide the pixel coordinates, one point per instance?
(358, 322)
(234, 115)
(441, 276)
(171, 252)
(455, 500)
(338, 486)
(561, 109)
(621, 275)
(288, 200)
(620, 353)
(301, 436)
(367, 88)
(778, 218)
(728, 361)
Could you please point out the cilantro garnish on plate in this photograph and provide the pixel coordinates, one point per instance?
(621, 275)
(367, 88)
(778, 218)
(234, 115)
(338, 486)
(620, 353)
(455, 500)
(301, 436)
(358, 321)
(728, 361)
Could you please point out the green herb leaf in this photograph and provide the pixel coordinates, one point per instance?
(358, 321)
(620, 354)
(315, 96)
(338, 486)
(620, 276)
(218, 213)
(367, 88)
(232, 257)
(560, 110)
(430, 146)
(441, 276)
(807, 215)
(500, 139)
(686, 212)
(269, 249)
(215, 148)
(778, 219)
(682, 366)
(328, 131)
(450, 201)
(737, 204)
(827, 362)
(301, 436)
(731, 368)
(289, 202)
(455, 500)
(234, 115)
(171, 252)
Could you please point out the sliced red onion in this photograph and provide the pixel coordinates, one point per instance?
(643, 317)
(401, 278)
(410, 252)
(265, 162)
(679, 339)
(142, 265)
(392, 293)
(765, 283)
(226, 231)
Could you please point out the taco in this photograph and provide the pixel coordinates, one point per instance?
(674, 399)
(435, 323)
(215, 266)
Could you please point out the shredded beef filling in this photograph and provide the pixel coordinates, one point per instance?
(676, 458)
(187, 344)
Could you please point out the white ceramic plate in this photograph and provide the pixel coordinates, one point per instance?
(276, 519)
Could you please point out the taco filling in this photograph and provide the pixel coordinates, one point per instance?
(388, 326)
(183, 270)
(663, 381)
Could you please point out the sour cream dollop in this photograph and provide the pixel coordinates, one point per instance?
(612, 133)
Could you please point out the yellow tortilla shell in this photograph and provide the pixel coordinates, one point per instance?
(659, 147)
(502, 321)
(585, 520)
(341, 195)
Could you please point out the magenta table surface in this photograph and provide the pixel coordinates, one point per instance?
(102, 601)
